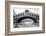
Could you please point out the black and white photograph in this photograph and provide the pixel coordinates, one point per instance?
(25, 18)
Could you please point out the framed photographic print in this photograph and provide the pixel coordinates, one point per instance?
(24, 17)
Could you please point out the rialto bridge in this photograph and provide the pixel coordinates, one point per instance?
(19, 17)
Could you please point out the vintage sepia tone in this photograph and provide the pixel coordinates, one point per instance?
(22, 21)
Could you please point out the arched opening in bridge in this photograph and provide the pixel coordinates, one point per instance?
(20, 19)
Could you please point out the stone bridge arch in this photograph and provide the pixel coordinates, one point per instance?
(19, 19)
